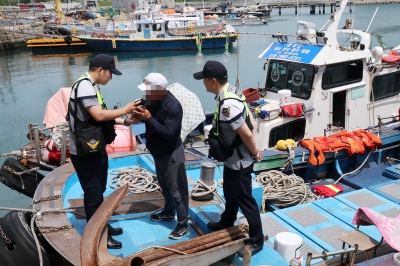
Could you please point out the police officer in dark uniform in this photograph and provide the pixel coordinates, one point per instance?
(92, 170)
(235, 130)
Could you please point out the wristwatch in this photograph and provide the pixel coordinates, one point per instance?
(125, 122)
(254, 156)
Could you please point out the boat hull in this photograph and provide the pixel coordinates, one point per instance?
(156, 44)
(42, 45)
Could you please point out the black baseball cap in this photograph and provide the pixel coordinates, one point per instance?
(105, 61)
(212, 69)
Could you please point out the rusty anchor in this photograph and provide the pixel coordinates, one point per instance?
(202, 250)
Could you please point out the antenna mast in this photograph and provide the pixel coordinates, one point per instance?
(372, 19)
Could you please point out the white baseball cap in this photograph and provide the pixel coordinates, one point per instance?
(153, 79)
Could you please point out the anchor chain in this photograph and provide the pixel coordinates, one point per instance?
(3, 235)
(49, 229)
(49, 198)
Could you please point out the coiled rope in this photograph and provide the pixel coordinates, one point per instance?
(138, 179)
(201, 190)
(56, 135)
(284, 190)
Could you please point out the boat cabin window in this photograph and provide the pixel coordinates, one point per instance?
(341, 74)
(385, 86)
(292, 130)
(157, 27)
(297, 78)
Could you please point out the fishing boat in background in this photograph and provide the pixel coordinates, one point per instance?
(154, 31)
(60, 44)
(245, 19)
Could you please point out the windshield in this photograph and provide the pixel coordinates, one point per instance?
(291, 76)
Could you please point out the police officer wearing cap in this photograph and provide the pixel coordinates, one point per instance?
(235, 130)
(92, 170)
(162, 115)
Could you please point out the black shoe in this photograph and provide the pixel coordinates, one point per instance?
(179, 232)
(254, 248)
(114, 231)
(113, 244)
(215, 226)
(162, 216)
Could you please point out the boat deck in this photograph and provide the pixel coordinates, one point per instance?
(318, 223)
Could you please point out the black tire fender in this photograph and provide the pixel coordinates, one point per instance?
(23, 251)
(31, 179)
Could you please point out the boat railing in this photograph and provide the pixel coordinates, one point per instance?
(381, 124)
(324, 255)
(36, 135)
(333, 128)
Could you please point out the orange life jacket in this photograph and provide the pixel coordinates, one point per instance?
(312, 146)
(332, 144)
(353, 142)
(370, 140)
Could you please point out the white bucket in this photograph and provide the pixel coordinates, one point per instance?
(288, 245)
(284, 96)
(207, 131)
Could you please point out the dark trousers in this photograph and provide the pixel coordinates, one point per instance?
(237, 192)
(92, 175)
(171, 175)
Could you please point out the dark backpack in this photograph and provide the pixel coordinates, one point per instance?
(218, 151)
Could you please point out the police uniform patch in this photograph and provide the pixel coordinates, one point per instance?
(93, 144)
(226, 111)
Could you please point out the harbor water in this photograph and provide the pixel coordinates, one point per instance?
(27, 81)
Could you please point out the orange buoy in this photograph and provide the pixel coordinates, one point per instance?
(122, 140)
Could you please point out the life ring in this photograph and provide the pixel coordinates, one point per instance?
(133, 6)
(30, 180)
(22, 249)
(58, 21)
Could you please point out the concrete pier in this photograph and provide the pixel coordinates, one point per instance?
(312, 9)
(279, 4)
(10, 41)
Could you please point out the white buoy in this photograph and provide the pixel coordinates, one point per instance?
(289, 245)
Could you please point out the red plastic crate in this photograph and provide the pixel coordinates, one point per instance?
(251, 95)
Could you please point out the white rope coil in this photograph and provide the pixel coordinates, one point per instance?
(139, 179)
(201, 189)
(56, 135)
(284, 190)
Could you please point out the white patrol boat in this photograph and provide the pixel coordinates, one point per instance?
(341, 87)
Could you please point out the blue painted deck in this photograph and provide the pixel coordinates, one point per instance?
(318, 223)
(389, 190)
(392, 172)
